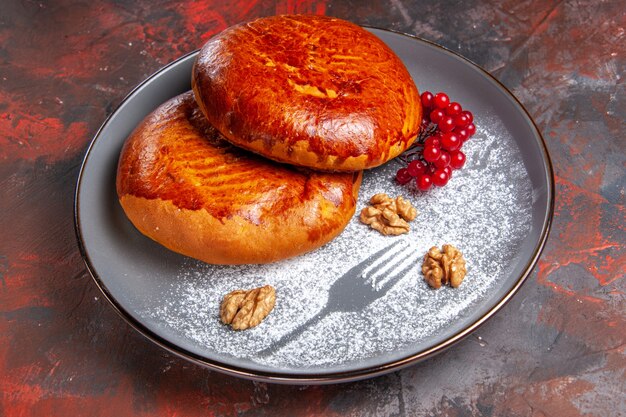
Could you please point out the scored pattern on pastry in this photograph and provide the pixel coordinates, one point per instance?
(308, 90)
(184, 186)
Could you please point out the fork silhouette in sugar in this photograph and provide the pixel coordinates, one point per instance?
(360, 286)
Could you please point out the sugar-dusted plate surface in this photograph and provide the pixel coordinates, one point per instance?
(497, 210)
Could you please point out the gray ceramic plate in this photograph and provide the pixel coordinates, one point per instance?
(333, 320)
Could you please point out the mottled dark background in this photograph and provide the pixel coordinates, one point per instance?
(558, 349)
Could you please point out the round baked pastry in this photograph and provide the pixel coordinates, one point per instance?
(185, 187)
(308, 90)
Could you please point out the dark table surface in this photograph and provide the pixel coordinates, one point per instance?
(557, 349)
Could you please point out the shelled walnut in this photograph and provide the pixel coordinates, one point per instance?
(444, 267)
(387, 215)
(243, 309)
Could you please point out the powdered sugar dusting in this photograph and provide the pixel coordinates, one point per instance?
(485, 210)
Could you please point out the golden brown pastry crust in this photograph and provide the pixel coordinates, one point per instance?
(308, 90)
(185, 187)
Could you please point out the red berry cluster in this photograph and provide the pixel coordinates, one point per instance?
(437, 151)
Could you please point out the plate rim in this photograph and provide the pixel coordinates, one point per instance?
(339, 376)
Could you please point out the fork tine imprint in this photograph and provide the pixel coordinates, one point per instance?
(390, 270)
(365, 267)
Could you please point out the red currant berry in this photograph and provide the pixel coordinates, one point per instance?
(440, 178)
(461, 120)
(436, 115)
(448, 171)
(424, 182)
(431, 153)
(441, 100)
(462, 134)
(443, 161)
(446, 124)
(453, 109)
(427, 99)
(469, 115)
(450, 141)
(471, 129)
(434, 140)
(403, 176)
(457, 159)
(416, 168)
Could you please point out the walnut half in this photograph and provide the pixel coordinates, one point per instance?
(243, 309)
(444, 267)
(387, 215)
